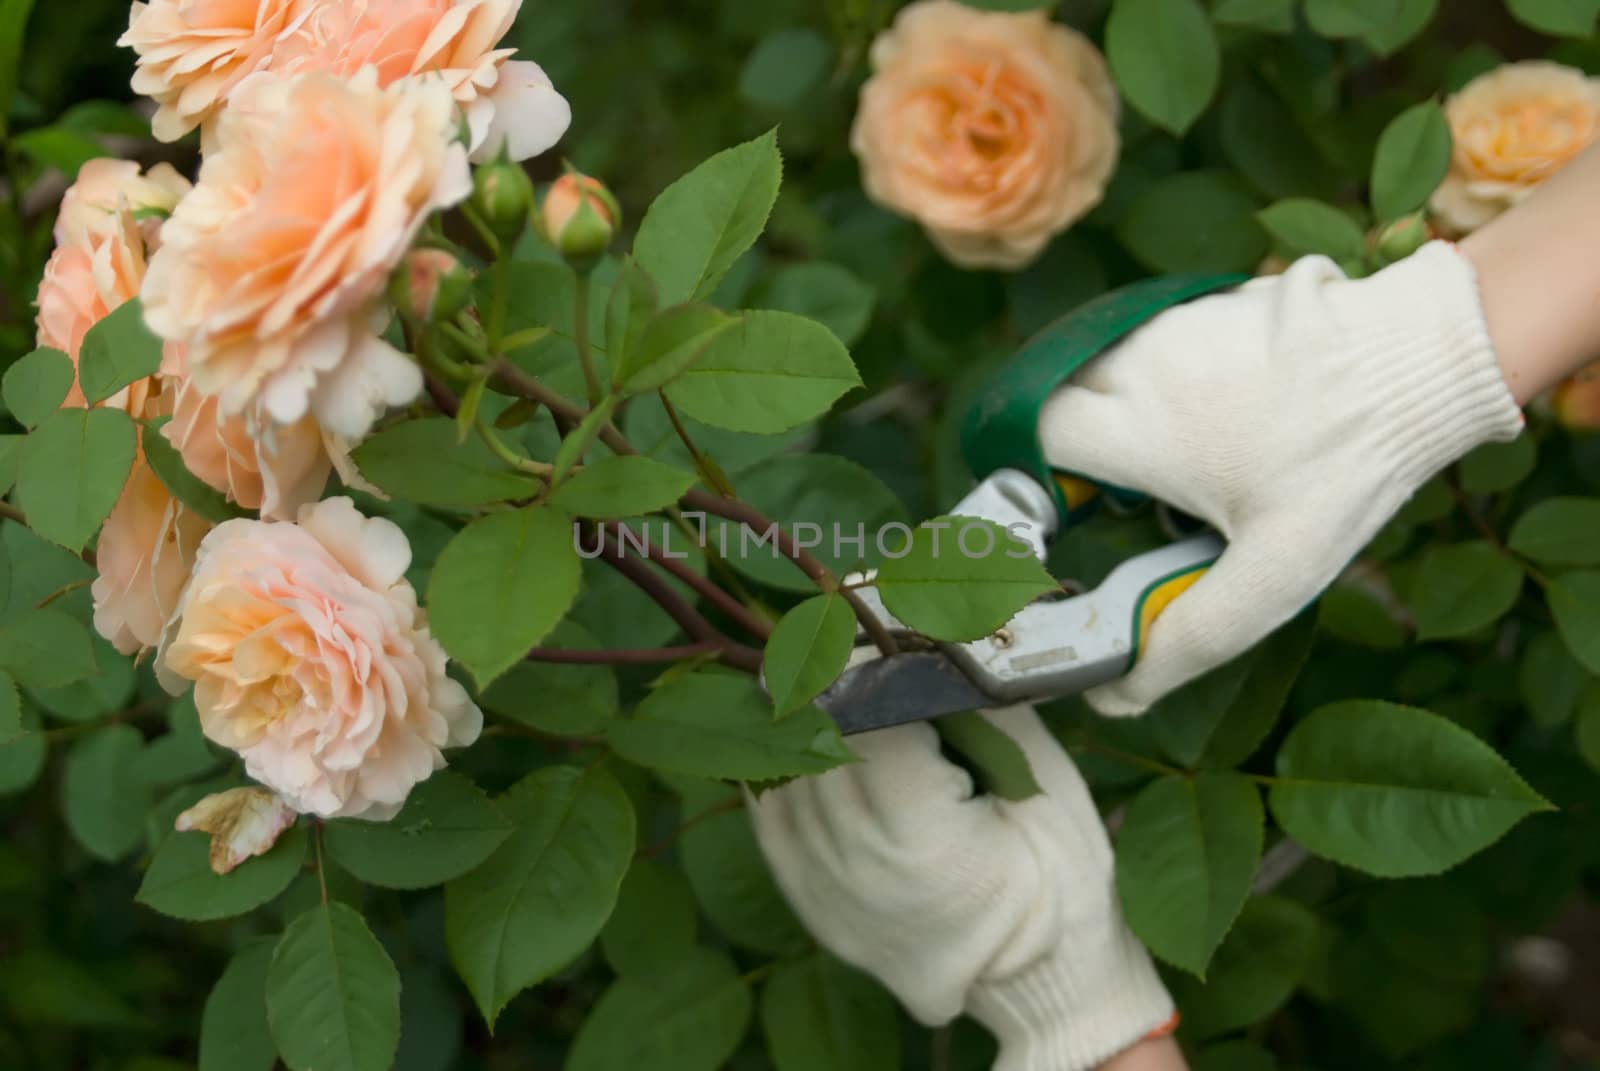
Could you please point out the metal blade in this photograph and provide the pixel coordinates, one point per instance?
(905, 688)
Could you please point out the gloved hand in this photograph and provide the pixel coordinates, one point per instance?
(1296, 415)
(961, 902)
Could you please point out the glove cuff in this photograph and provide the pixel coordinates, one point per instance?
(1416, 333)
(1095, 997)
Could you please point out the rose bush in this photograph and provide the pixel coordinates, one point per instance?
(393, 533)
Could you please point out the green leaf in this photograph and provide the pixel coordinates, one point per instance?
(953, 585)
(44, 989)
(1165, 59)
(670, 342)
(1350, 18)
(1263, 959)
(771, 372)
(1575, 602)
(654, 923)
(632, 305)
(234, 1035)
(784, 66)
(447, 827)
(1000, 766)
(500, 586)
(56, 147)
(1559, 531)
(820, 1015)
(421, 461)
(825, 292)
(1550, 679)
(1394, 791)
(617, 487)
(1496, 467)
(180, 881)
(1234, 1056)
(547, 891)
(1559, 18)
(46, 649)
(583, 436)
(10, 458)
(117, 351)
(1271, 16)
(688, 1017)
(103, 799)
(800, 491)
(1302, 225)
(1412, 158)
(1198, 221)
(730, 877)
(333, 995)
(185, 486)
(1462, 588)
(13, 21)
(74, 466)
(22, 758)
(807, 651)
(1410, 18)
(564, 700)
(701, 224)
(36, 385)
(720, 725)
(1186, 854)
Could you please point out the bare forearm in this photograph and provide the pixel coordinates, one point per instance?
(1539, 277)
(1155, 1054)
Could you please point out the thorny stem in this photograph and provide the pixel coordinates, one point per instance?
(519, 382)
(497, 310)
(322, 879)
(648, 581)
(705, 588)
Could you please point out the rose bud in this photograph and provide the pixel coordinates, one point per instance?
(1403, 237)
(503, 196)
(580, 216)
(432, 286)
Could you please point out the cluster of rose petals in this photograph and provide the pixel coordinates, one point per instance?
(243, 823)
(272, 270)
(193, 53)
(508, 103)
(994, 130)
(311, 659)
(274, 470)
(108, 224)
(1512, 128)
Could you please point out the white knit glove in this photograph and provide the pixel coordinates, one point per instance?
(962, 902)
(1296, 415)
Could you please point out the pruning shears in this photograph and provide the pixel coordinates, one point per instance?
(1058, 645)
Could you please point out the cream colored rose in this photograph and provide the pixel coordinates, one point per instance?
(510, 103)
(995, 131)
(100, 261)
(1513, 127)
(311, 659)
(271, 271)
(192, 53)
(275, 470)
(146, 549)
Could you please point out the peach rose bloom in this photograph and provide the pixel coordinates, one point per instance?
(1577, 401)
(272, 271)
(146, 549)
(100, 262)
(275, 470)
(995, 131)
(311, 659)
(507, 103)
(1514, 127)
(192, 53)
